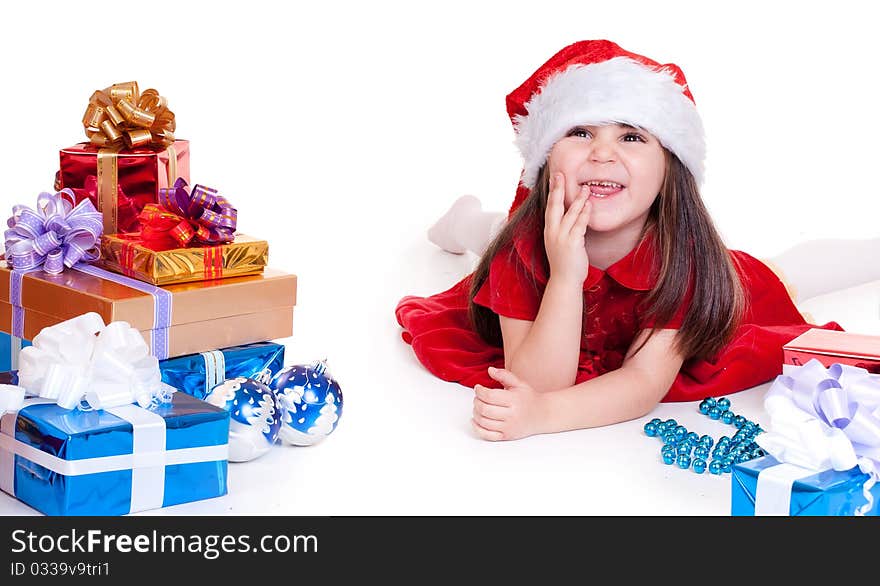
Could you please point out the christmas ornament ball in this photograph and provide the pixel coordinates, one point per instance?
(255, 416)
(312, 400)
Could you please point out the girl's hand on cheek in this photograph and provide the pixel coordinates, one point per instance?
(565, 232)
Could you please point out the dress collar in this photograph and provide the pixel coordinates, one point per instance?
(637, 270)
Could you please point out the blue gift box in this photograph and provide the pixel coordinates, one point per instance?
(197, 374)
(826, 493)
(86, 463)
(7, 350)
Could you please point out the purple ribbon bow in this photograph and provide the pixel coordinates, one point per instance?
(58, 234)
(203, 206)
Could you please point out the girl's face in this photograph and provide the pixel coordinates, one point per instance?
(623, 166)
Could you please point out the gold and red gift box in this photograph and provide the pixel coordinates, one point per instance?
(830, 346)
(121, 182)
(129, 255)
(203, 315)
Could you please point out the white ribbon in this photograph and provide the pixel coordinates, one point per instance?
(14, 351)
(215, 369)
(7, 457)
(773, 492)
(820, 419)
(82, 359)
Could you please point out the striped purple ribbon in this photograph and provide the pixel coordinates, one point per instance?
(15, 283)
(162, 304)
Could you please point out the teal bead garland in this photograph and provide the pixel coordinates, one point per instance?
(689, 450)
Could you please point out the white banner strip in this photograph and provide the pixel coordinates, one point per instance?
(215, 369)
(14, 351)
(113, 463)
(148, 445)
(7, 458)
(773, 492)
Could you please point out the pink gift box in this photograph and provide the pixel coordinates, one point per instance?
(830, 346)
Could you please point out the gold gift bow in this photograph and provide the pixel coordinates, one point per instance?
(120, 116)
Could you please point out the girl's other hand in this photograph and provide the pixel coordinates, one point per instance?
(565, 232)
(510, 413)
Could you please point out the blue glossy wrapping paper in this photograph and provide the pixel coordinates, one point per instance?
(827, 493)
(75, 435)
(190, 375)
(6, 351)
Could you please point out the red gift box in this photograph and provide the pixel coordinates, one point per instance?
(830, 346)
(121, 183)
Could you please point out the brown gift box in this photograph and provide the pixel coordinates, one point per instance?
(126, 254)
(205, 315)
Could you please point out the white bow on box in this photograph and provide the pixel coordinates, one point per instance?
(81, 359)
(825, 418)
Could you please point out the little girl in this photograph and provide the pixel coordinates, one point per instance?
(607, 289)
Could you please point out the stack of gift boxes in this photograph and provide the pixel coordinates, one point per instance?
(824, 433)
(172, 266)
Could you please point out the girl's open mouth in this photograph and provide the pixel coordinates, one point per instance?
(602, 189)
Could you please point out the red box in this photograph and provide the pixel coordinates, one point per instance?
(137, 173)
(830, 346)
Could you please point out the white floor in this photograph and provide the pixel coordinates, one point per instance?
(404, 445)
(385, 122)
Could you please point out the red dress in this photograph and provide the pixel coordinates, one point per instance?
(444, 341)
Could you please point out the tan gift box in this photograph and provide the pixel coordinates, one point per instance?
(204, 315)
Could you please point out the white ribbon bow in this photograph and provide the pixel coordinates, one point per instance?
(81, 359)
(826, 418)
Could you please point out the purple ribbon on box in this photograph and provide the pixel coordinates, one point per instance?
(162, 304)
(826, 418)
(58, 234)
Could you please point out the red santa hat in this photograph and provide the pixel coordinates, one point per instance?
(598, 82)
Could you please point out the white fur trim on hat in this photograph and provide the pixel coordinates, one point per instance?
(618, 90)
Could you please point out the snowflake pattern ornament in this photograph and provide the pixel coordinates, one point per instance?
(312, 401)
(255, 416)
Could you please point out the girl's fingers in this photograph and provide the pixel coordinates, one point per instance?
(555, 201)
(486, 434)
(573, 211)
(489, 411)
(505, 377)
(498, 397)
(488, 424)
(579, 228)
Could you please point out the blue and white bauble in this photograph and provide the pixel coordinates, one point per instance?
(255, 416)
(312, 401)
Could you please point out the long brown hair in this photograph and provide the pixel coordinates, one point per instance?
(692, 253)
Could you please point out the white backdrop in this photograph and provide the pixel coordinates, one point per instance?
(340, 130)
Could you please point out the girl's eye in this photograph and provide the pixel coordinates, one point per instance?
(581, 132)
(633, 137)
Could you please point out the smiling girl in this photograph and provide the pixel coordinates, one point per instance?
(608, 288)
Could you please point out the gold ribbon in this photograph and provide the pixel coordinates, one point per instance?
(108, 182)
(120, 116)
